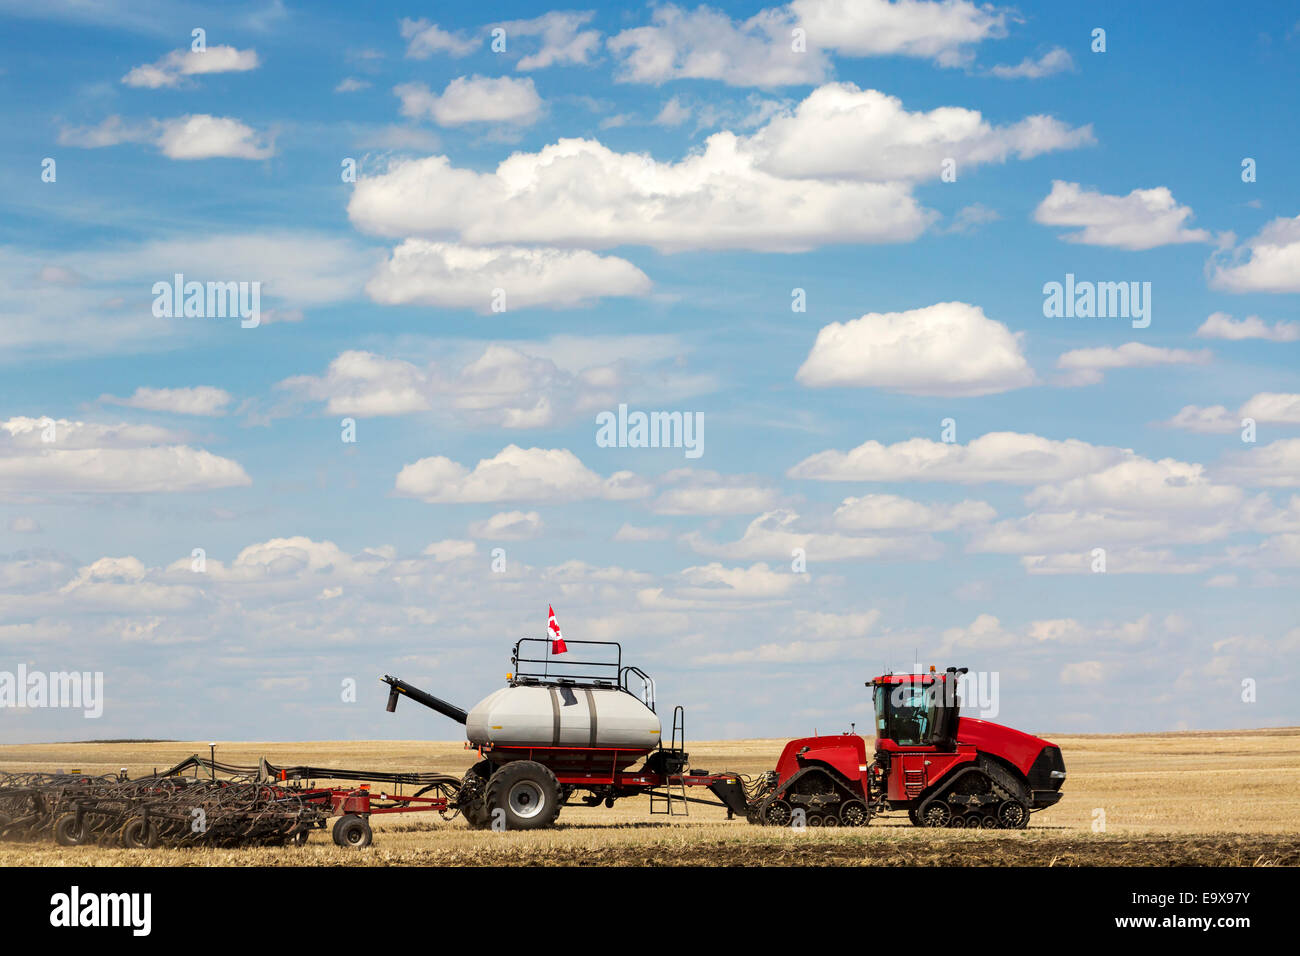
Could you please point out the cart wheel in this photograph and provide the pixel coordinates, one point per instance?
(67, 832)
(830, 820)
(352, 831)
(813, 820)
(528, 793)
(139, 834)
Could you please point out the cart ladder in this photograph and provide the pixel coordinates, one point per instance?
(666, 802)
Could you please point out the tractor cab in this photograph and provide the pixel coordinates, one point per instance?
(918, 710)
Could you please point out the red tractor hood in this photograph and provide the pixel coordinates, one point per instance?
(1015, 746)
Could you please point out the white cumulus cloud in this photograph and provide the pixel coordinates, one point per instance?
(424, 39)
(578, 192)
(1221, 325)
(194, 136)
(1143, 219)
(1087, 366)
(706, 44)
(1268, 262)
(447, 274)
(195, 400)
(867, 135)
(1055, 60)
(181, 63)
(562, 39)
(942, 31)
(105, 459)
(1010, 457)
(473, 99)
(839, 168)
(951, 348)
(508, 526)
(514, 474)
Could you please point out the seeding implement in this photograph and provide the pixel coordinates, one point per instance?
(220, 805)
(588, 732)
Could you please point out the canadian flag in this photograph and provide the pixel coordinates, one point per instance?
(557, 639)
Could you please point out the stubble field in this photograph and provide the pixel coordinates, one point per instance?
(1207, 798)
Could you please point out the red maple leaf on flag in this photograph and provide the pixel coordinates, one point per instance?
(557, 639)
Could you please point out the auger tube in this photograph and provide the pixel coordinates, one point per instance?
(401, 687)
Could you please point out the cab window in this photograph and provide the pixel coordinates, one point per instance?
(905, 713)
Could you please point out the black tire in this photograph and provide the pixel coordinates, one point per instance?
(916, 821)
(527, 792)
(67, 832)
(139, 834)
(475, 811)
(476, 815)
(353, 832)
(813, 820)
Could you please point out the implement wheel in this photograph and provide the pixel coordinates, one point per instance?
(139, 834)
(67, 832)
(527, 792)
(353, 831)
(475, 810)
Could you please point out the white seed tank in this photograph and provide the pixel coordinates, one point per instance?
(563, 716)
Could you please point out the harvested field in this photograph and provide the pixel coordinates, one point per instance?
(1206, 798)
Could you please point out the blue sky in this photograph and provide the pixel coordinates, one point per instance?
(649, 187)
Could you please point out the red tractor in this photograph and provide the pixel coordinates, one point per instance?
(945, 770)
